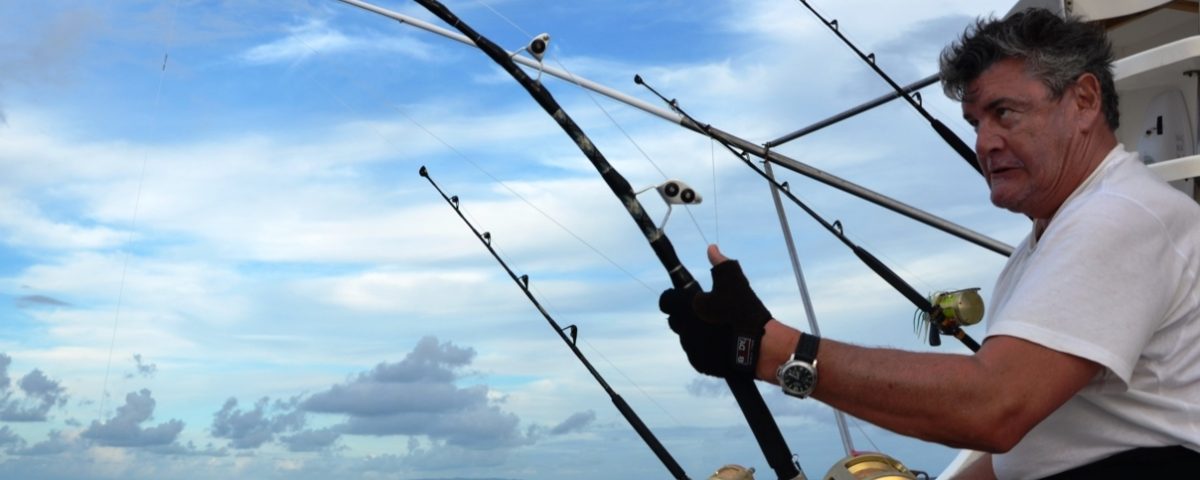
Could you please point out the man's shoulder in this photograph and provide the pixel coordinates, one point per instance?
(1130, 188)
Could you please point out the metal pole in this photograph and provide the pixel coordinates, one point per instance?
(838, 416)
(851, 112)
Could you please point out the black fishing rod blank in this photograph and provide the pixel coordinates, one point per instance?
(523, 283)
(944, 325)
(748, 398)
(947, 135)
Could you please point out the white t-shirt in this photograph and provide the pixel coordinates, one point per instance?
(1113, 279)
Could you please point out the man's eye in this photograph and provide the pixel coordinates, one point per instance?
(1002, 112)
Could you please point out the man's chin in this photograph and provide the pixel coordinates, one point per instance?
(1007, 202)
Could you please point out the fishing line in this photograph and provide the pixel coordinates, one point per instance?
(645, 155)
(464, 157)
(572, 341)
(516, 194)
(749, 399)
(712, 154)
(550, 307)
(156, 109)
(945, 325)
(631, 140)
(914, 99)
(554, 57)
(858, 425)
(524, 199)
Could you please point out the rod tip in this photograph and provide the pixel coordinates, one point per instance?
(423, 171)
(637, 79)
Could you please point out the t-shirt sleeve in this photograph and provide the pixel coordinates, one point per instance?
(1096, 285)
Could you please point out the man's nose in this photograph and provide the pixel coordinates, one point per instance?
(987, 142)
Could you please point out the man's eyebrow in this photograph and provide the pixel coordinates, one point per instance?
(995, 103)
(992, 105)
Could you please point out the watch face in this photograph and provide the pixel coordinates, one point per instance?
(799, 379)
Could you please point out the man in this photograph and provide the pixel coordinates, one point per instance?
(1091, 362)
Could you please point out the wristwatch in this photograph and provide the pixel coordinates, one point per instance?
(798, 376)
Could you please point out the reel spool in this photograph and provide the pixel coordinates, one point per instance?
(954, 308)
(964, 307)
(733, 472)
(869, 466)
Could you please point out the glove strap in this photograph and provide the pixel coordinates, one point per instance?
(745, 355)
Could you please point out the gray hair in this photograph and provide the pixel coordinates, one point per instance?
(1055, 50)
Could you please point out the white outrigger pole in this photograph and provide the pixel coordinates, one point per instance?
(745, 145)
(838, 416)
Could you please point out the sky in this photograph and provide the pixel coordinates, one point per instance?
(217, 259)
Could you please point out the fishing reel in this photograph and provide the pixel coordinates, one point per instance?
(673, 192)
(950, 310)
(733, 472)
(536, 47)
(857, 466)
(869, 466)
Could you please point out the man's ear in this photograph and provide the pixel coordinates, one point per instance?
(1088, 101)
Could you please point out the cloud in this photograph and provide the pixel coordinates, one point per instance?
(576, 422)
(317, 38)
(5, 361)
(144, 370)
(54, 444)
(30, 301)
(707, 387)
(124, 429)
(311, 440)
(190, 450)
(440, 458)
(40, 395)
(417, 397)
(9, 438)
(25, 224)
(46, 53)
(251, 429)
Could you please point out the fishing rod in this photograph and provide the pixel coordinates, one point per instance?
(938, 317)
(523, 283)
(947, 135)
(762, 424)
(768, 154)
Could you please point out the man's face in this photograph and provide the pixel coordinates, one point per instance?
(1025, 139)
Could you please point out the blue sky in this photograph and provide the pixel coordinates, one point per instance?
(230, 267)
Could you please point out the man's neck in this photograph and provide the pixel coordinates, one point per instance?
(1094, 149)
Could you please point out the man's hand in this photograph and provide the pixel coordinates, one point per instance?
(731, 301)
(720, 331)
(705, 344)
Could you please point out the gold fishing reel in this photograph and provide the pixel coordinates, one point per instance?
(733, 472)
(951, 309)
(869, 466)
(857, 466)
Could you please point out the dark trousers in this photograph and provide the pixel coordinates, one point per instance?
(1144, 462)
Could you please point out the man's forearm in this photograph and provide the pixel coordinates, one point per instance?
(943, 398)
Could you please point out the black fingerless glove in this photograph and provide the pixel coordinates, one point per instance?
(721, 332)
(731, 301)
(705, 344)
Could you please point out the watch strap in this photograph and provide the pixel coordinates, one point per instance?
(806, 348)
